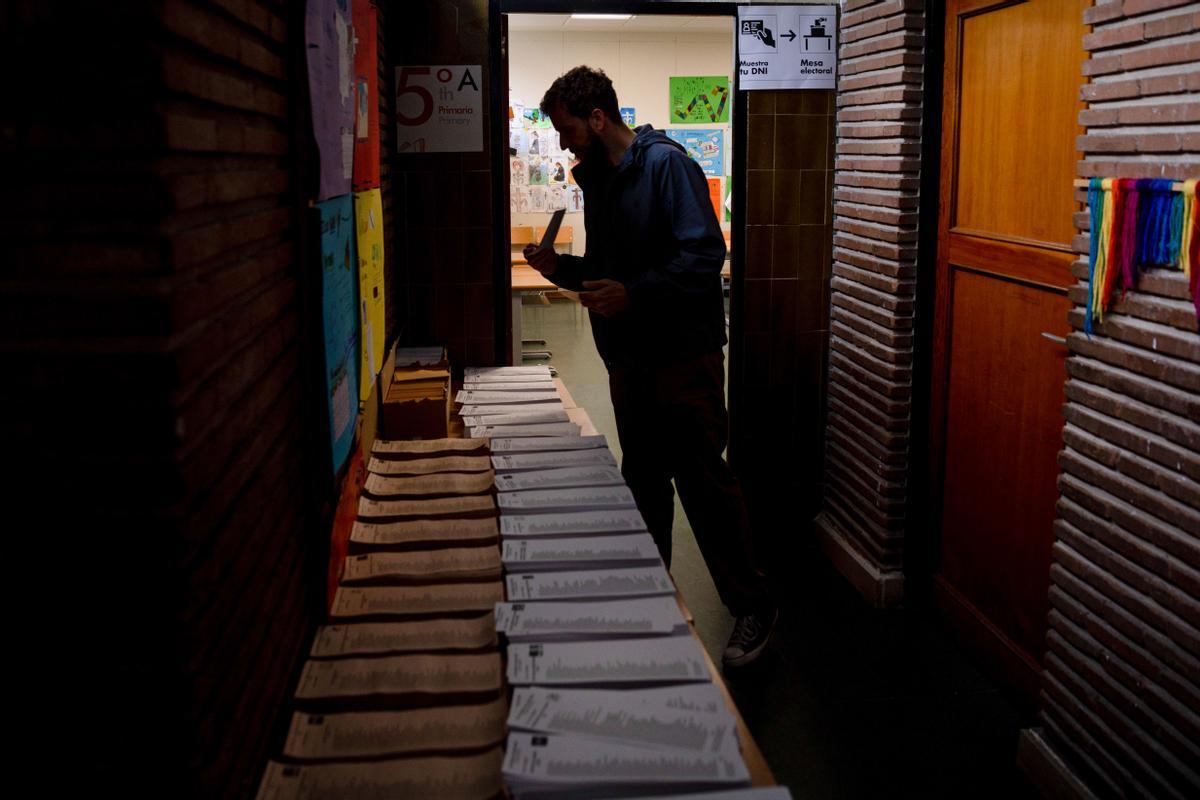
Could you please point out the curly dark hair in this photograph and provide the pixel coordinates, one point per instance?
(579, 91)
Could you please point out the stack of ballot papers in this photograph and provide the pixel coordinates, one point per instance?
(613, 694)
(403, 692)
(513, 402)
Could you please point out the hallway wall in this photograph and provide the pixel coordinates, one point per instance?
(153, 311)
(1120, 691)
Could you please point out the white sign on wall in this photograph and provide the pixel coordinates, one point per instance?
(439, 109)
(787, 47)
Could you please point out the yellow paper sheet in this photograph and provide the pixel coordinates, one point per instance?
(368, 219)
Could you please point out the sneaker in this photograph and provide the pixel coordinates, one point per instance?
(749, 638)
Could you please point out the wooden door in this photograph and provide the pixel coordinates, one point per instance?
(1010, 109)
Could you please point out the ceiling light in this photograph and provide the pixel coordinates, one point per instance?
(601, 16)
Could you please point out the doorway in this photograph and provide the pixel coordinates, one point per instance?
(1009, 122)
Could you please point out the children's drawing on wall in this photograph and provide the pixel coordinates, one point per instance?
(524, 200)
(558, 173)
(558, 198)
(537, 172)
(706, 146)
(537, 198)
(574, 198)
(520, 172)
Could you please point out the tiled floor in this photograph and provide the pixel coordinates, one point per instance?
(849, 702)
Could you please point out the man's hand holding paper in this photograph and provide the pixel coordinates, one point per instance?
(543, 259)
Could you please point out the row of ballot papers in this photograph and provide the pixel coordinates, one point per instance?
(612, 695)
(403, 693)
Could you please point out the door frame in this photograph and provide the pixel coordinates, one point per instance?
(498, 109)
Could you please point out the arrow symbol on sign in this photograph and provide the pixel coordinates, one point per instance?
(790, 36)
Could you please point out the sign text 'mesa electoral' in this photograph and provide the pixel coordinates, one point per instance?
(787, 47)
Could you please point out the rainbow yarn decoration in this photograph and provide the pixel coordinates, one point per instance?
(1138, 224)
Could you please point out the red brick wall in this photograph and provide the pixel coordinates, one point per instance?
(155, 315)
(876, 182)
(1120, 688)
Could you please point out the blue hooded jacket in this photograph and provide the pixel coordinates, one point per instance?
(651, 226)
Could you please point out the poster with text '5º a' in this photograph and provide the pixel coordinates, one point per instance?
(339, 279)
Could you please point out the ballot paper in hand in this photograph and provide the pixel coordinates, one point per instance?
(579, 553)
(549, 444)
(589, 620)
(614, 715)
(664, 659)
(565, 765)
(610, 521)
(590, 584)
(551, 233)
(583, 499)
(526, 462)
(559, 478)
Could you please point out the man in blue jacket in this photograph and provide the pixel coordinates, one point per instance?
(651, 278)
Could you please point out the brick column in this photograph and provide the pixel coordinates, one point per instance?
(876, 196)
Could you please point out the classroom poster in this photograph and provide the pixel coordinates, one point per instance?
(705, 145)
(727, 205)
(699, 99)
(366, 101)
(714, 195)
(328, 33)
(340, 321)
(439, 108)
(629, 115)
(368, 222)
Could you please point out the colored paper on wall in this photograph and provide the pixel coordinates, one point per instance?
(714, 195)
(368, 221)
(705, 146)
(366, 97)
(328, 32)
(339, 282)
(699, 99)
(727, 204)
(629, 115)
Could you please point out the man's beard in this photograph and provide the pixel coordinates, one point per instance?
(594, 152)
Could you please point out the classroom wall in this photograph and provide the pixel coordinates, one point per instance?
(639, 64)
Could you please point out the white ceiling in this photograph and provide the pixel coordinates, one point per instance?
(639, 23)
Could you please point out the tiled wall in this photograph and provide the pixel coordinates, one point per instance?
(776, 391)
(445, 215)
(1120, 687)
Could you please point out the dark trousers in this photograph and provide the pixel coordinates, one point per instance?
(672, 423)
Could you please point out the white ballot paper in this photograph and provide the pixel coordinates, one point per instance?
(537, 764)
(526, 462)
(535, 369)
(498, 398)
(508, 377)
(663, 659)
(590, 583)
(550, 444)
(418, 635)
(492, 409)
(599, 552)
(560, 478)
(368, 734)
(511, 431)
(475, 777)
(442, 598)
(616, 715)
(610, 521)
(509, 386)
(594, 619)
(519, 418)
(582, 499)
